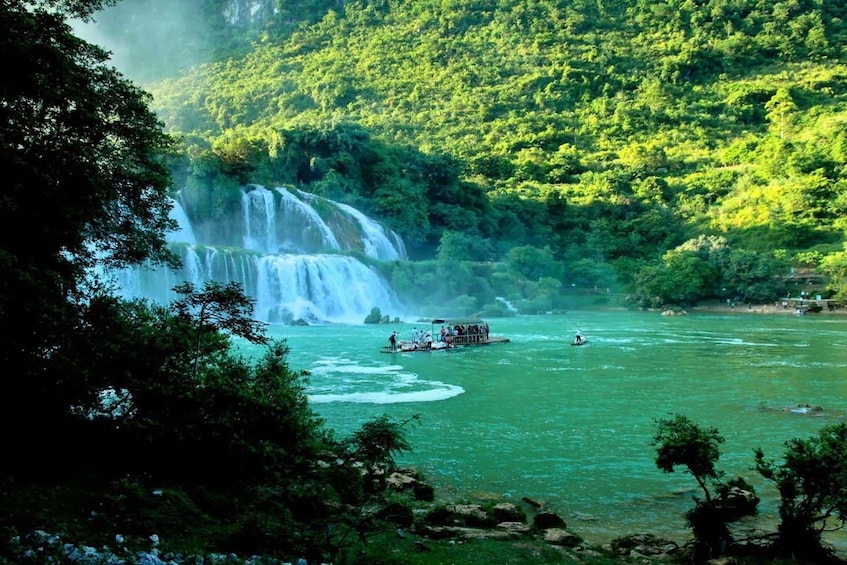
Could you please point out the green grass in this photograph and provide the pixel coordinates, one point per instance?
(391, 549)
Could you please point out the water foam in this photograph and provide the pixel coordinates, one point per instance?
(345, 380)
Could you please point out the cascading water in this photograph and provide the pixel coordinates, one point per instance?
(291, 259)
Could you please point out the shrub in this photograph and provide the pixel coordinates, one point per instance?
(812, 484)
(681, 442)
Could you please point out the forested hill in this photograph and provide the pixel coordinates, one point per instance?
(603, 133)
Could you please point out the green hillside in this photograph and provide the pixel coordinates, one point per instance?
(598, 135)
(537, 154)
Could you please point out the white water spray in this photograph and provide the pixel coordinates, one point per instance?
(283, 264)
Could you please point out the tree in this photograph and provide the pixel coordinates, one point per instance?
(456, 246)
(359, 479)
(84, 165)
(781, 108)
(682, 278)
(534, 262)
(76, 8)
(376, 443)
(812, 484)
(681, 442)
(206, 427)
(218, 307)
(834, 265)
(751, 275)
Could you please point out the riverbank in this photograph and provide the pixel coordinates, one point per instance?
(618, 303)
(778, 308)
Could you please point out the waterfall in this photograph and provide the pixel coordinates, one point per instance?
(509, 306)
(259, 214)
(328, 287)
(291, 262)
(184, 232)
(376, 241)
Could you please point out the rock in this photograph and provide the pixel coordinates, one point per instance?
(439, 516)
(409, 472)
(644, 545)
(398, 514)
(424, 492)
(514, 527)
(463, 533)
(508, 512)
(532, 502)
(437, 532)
(672, 312)
(501, 535)
(547, 520)
(462, 515)
(472, 515)
(399, 481)
(561, 537)
(738, 502)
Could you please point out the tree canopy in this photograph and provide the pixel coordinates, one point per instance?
(612, 135)
(107, 400)
(646, 140)
(812, 483)
(86, 183)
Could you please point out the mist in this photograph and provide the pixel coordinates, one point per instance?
(150, 40)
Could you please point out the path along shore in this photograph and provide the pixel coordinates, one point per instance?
(772, 308)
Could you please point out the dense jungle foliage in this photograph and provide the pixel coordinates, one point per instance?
(677, 150)
(124, 419)
(120, 419)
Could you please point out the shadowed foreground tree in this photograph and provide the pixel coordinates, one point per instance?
(238, 458)
(375, 445)
(812, 483)
(681, 442)
(84, 183)
(133, 398)
(218, 307)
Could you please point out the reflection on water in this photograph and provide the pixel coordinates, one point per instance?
(571, 426)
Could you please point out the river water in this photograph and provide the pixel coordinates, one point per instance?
(571, 426)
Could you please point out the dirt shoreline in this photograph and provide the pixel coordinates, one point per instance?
(776, 309)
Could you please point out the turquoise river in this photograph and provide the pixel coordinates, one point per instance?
(571, 426)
